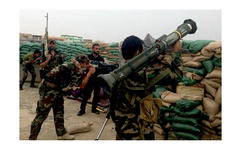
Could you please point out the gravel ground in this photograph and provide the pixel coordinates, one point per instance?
(28, 102)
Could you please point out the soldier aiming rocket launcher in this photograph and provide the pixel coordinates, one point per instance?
(139, 62)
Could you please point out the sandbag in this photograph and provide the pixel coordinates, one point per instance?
(210, 106)
(217, 61)
(190, 92)
(166, 104)
(186, 105)
(200, 107)
(218, 80)
(193, 76)
(193, 64)
(215, 123)
(197, 71)
(185, 120)
(185, 128)
(208, 95)
(158, 132)
(197, 45)
(186, 58)
(210, 90)
(219, 115)
(211, 83)
(211, 131)
(187, 136)
(200, 58)
(214, 74)
(208, 65)
(188, 81)
(206, 123)
(170, 97)
(80, 128)
(192, 113)
(218, 97)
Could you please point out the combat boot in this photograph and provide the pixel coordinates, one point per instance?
(66, 136)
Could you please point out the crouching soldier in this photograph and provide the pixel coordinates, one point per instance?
(51, 95)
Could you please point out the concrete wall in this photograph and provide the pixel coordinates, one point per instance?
(36, 67)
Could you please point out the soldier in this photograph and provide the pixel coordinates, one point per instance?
(28, 61)
(51, 94)
(92, 84)
(127, 97)
(51, 60)
(95, 53)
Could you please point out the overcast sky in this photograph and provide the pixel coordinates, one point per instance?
(115, 25)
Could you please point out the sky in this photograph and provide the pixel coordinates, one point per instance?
(116, 25)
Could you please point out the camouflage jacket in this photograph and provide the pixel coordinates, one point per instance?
(64, 75)
(55, 60)
(27, 59)
(124, 99)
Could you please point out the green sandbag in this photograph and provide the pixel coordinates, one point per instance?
(159, 90)
(165, 109)
(217, 61)
(185, 128)
(186, 105)
(192, 113)
(113, 45)
(187, 81)
(196, 46)
(208, 65)
(200, 72)
(186, 136)
(186, 44)
(179, 119)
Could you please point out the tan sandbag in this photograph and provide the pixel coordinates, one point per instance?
(210, 90)
(190, 92)
(210, 106)
(206, 123)
(211, 83)
(218, 55)
(211, 118)
(193, 64)
(170, 97)
(200, 58)
(219, 115)
(211, 131)
(207, 53)
(80, 128)
(186, 58)
(213, 46)
(168, 125)
(215, 123)
(165, 104)
(219, 127)
(158, 129)
(208, 95)
(218, 80)
(218, 97)
(214, 74)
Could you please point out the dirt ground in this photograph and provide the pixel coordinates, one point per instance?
(28, 101)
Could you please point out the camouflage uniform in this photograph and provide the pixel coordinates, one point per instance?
(28, 66)
(51, 96)
(55, 60)
(126, 98)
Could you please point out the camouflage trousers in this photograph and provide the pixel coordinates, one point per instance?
(26, 68)
(49, 98)
(129, 127)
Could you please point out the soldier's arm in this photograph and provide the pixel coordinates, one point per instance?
(45, 63)
(26, 57)
(35, 60)
(88, 75)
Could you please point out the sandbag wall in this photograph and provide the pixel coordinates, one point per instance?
(201, 82)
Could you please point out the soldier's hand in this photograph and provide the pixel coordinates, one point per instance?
(92, 70)
(48, 56)
(177, 46)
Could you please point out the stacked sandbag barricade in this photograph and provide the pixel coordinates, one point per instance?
(201, 83)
